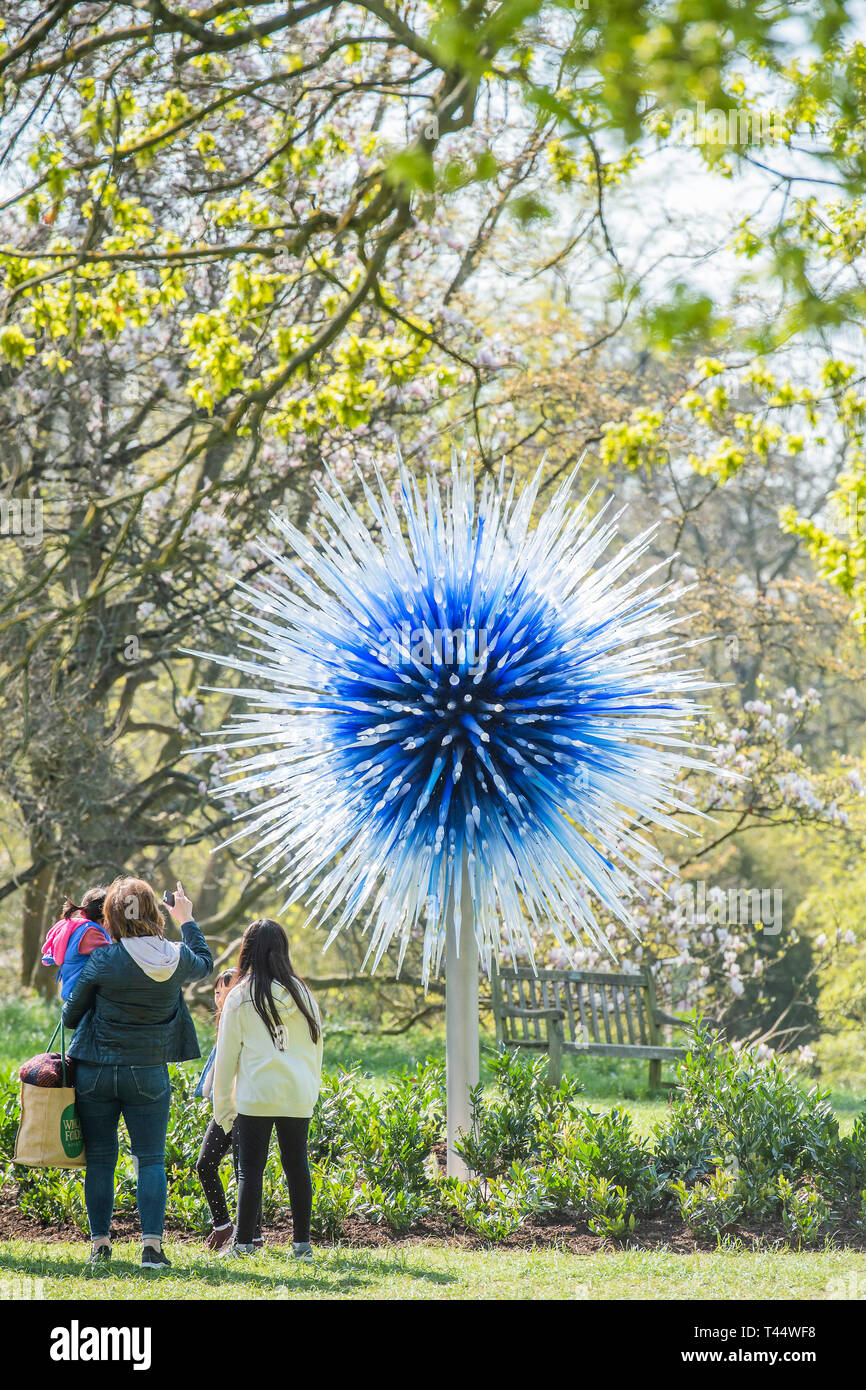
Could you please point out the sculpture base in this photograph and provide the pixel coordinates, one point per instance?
(461, 1028)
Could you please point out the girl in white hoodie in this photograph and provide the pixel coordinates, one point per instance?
(266, 1075)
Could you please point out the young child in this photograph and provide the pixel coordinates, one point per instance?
(266, 1075)
(73, 938)
(216, 1143)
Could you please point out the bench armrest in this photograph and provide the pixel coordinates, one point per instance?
(661, 1017)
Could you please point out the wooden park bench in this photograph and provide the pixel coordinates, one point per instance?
(587, 1012)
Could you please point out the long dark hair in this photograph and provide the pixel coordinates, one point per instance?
(264, 958)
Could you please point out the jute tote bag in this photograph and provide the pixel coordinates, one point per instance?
(49, 1135)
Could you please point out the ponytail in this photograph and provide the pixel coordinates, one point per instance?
(92, 904)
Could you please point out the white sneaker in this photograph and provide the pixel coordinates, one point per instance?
(302, 1250)
(236, 1252)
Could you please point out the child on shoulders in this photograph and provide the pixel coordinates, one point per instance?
(73, 938)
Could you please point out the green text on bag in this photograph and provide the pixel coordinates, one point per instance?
(70, 1132)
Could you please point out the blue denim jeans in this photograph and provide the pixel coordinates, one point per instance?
(142, 1095)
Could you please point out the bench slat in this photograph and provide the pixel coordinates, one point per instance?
(543, 995)
(629, 1021)
(533, 991)
(664, 1054)
(516, 998)
(510, 1012)
(506, 995)
(640, 1004)
(635, 982)
(594, 1033)
(575, 990)
(565, 995)
(616, 999)
(602, 996)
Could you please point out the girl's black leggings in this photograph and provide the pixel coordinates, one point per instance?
(214, 1147)
(254, 1137)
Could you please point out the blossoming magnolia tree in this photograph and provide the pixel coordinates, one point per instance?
(709, 938)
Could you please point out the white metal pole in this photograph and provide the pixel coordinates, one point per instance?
(461, 1023)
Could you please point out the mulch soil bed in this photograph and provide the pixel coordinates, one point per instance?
(665, 1232)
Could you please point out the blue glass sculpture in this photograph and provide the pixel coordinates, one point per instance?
(440, 679)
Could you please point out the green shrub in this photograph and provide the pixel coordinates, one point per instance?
(334, 1199)
(533, 1149)
(686, 1147)
(337, 1115)
(758, 1190)
(492, 1208)
(604, 1146)
(560, 1182)
(805, 1213)
(52, 1195)
(731, 1106)
(10, 1114)
(398, 1208)
(511, 1120)
(596, 1167)
(710, 1207)
(393, 1133)
(841, 1171)
(188, 1210)
(606, 1206)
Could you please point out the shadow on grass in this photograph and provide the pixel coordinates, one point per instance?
(344, 1269)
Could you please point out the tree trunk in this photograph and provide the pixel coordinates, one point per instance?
(207, 901)
(34, 925)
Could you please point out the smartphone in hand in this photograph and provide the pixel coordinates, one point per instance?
(178, 904)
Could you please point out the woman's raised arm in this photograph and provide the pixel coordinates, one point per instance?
(201, 962)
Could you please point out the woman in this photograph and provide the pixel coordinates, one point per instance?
(132, 1020)
(267, 1072)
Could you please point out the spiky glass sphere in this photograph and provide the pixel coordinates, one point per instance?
(443, 680)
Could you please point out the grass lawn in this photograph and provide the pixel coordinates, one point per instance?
(432, 1271)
